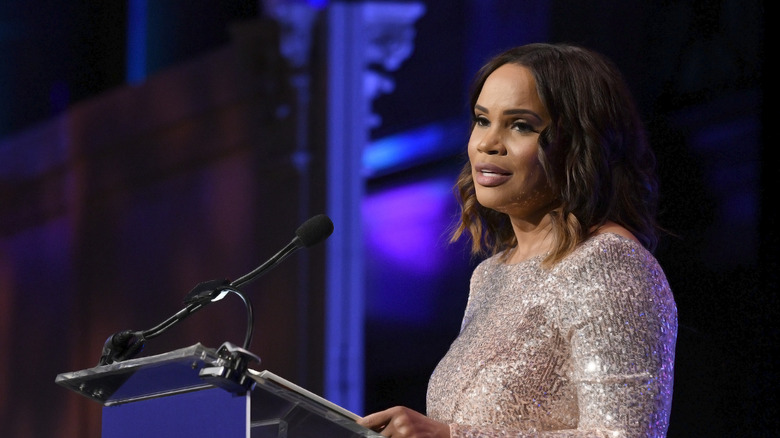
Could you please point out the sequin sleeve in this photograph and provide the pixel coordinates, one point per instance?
(585, 349)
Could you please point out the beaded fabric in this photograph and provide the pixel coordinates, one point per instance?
(584, 349)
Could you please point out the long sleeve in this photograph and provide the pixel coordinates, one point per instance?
(583, 350)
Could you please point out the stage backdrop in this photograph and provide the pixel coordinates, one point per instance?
(112, 212)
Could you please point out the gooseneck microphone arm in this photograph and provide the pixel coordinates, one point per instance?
(127, 344)
(265, 267)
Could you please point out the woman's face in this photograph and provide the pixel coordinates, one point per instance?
(503, 147)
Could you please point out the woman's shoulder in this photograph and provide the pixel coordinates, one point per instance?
(611, 240)
(614, 228)
(607, 252)
(619, 269)
(614, 248)
(612, 258)
(615, 237)
(613, 267)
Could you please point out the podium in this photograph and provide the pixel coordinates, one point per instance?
(198, 392)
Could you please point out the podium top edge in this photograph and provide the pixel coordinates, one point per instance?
(196, 351)
(144, 377)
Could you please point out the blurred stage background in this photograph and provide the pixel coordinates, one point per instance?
(147, 146)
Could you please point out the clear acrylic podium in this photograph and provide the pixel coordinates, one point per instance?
(193, 392)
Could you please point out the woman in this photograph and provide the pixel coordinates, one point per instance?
(570, 325)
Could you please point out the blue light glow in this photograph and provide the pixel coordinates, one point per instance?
(405, 229)
(136, 40)
(413, 147)
(318, 4)
(404, 222)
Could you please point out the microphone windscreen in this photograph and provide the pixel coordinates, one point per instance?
(315, 230)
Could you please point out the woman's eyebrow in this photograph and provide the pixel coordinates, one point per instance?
(511, 112)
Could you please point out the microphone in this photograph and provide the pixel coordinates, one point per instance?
(314, 231)
(310, 233)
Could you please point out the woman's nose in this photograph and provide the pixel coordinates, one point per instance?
(491, 143)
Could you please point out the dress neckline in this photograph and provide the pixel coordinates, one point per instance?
(590, 241)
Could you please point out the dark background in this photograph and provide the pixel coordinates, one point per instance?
(697, 70)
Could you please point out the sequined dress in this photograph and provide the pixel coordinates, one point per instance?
(584, 349)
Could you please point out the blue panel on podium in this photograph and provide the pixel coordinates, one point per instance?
(211, 412)
(191, 393)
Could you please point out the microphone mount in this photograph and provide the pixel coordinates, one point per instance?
(128, 343)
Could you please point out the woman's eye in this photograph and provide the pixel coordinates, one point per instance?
(523, 126)
(481, 121)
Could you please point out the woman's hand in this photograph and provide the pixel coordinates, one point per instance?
(401, 422)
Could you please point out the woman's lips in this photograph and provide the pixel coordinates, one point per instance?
(490, 175)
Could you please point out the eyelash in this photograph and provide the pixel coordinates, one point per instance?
(522, 126)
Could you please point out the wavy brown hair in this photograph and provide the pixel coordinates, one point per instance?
(594, 151)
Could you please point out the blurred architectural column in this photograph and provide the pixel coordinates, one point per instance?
(137, 22)
(367, 41)
(296, 20)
